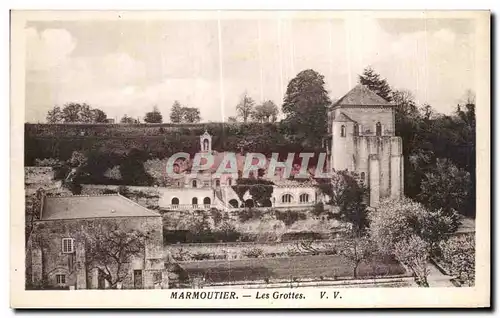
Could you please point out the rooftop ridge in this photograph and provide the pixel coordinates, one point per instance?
(361, 95)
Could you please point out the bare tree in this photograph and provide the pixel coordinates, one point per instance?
(110, 249)
(245, 107)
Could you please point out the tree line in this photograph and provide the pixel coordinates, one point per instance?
(246, 109)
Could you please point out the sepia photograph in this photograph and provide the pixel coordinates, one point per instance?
(250, 159)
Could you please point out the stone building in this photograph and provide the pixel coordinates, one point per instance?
(362, 140)
(69, 226)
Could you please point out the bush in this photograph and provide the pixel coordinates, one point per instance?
(289, 217)
(216, 216)
(123, 190)
(254, 252)
(249, 214)
(319, 208)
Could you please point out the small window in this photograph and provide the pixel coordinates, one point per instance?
(175, 201)
(304, 198)
(194, 183)
(229, 181)
(61, 279)
(378, 129)
(342, 131)
(194, 201)
(67, 245)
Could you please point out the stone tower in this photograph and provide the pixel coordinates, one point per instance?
(362, 130)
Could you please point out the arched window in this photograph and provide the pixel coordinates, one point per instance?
(217, 182)
(194, 183)
(342, 131)
(229, 181)
(175, 201)
(205, 145)
(286, 198)
(356, 130)
(206, 202)
(194, 202)
(304, 198)
(378, 129)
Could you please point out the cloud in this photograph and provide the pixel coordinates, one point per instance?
(180, 61)
(48, 49)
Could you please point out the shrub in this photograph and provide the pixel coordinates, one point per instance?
(216, 216)
(249, 214)
(254, 252)
(288, 217)
(319, 208)
(109, 191)
(203, 256)
(125, 191)
(48, 162)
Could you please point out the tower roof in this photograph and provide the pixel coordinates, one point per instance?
(361, 95)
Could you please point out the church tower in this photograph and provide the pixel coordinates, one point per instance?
(363, 140)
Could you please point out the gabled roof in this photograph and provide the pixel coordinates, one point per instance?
(343, 117)
(95, 206)
(361, 96)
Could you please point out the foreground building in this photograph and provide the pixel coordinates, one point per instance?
(79, 242)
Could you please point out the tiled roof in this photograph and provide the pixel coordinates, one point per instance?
(95, 206)
(361, 96)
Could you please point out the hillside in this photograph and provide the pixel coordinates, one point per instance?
(154, 140)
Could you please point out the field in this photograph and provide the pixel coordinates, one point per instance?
(299, 267)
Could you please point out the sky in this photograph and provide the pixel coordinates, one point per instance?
(129, 66)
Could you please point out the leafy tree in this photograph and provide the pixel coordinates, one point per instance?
(267, 112)
(305, 106)
(459, 253)
(75, 113)
(111, 249)
(405, 104)
(349, 195)
(191, 115)
(397, 220)
(376, 83)
(132, 169)
(153, 116)
(176, 113)
(98, 116)
(128, 120)
(245, 107)
(232, 119)
(414, 253)
(445, 187)
(54, 115)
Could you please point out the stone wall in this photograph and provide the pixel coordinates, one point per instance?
(49, 260)
(368, 117)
